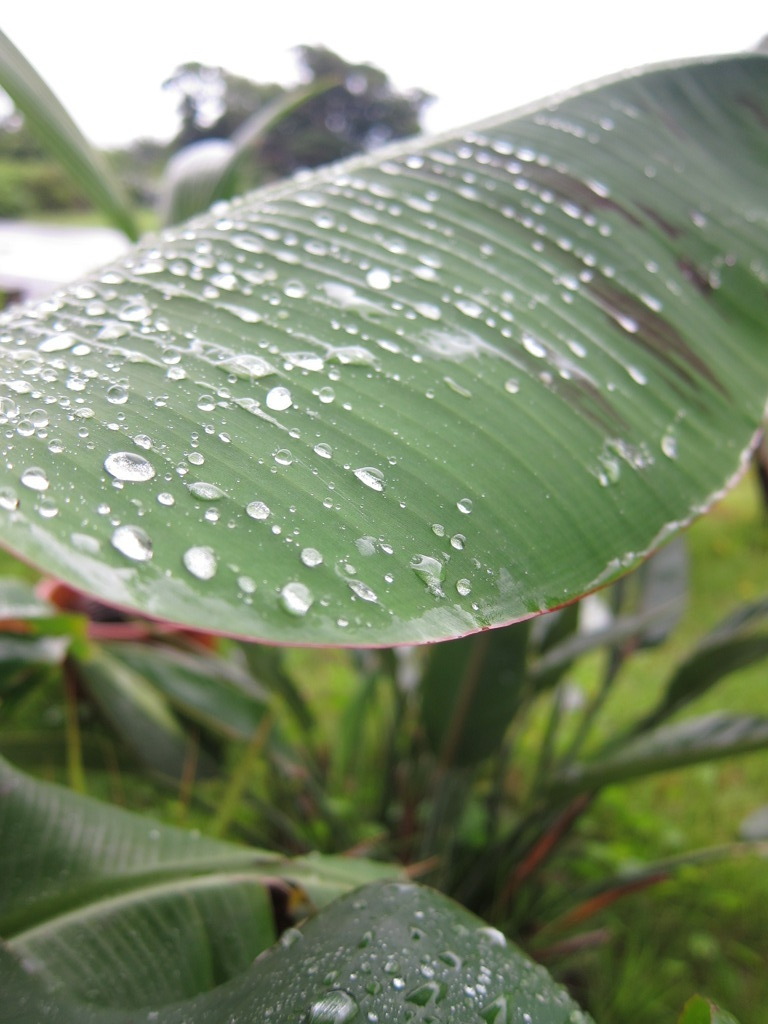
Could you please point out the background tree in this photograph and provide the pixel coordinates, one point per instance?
(363, 111)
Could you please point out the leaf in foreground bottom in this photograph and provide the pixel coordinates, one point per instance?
(388, 952)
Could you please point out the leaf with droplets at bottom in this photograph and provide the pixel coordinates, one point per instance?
(500, 366)
(388, 952)
(124, 912)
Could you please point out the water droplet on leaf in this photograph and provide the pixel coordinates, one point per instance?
(201, 562)
(279, 399)
(257, 510)
(133, 542)
(371, 477)
(311, 557)
(206, 491)
(296, 598)
(129, 467)
(35, 479)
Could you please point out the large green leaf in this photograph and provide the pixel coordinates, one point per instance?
(58, 132)
(412, 395)
(392, 952)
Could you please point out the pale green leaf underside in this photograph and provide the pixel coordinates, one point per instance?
(476, 376)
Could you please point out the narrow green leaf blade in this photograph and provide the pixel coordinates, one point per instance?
(692, 741)
(58, 132)
(414, 395)
(139, 714)
(211, 691)
(734, 644)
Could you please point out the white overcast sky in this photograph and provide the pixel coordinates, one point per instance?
(106, 62)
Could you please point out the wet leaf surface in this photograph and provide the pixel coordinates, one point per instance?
(415, 395)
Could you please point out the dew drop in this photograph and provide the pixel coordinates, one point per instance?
(379, 279)
(438, 529)
(464, 505)
(128, 466)
(164, 498)
(534, 346)
(335, 1007)
(133, 542)
(283, 457)
(428, 310)
(35, 479)
(495, 937)
(323, 450)
(8, 499)
(464, 587)
(257, 510)
(57, 342)
(296, 598)
(326, 395)
(512, 386)
(669, 446)
(279, 399)
(294, 290)
(47, 509)
(458, 541)
(133, 312)
(371, 477)
(206, 491)
(362, 590)
(469, 308)
(311, 557)
(117, 394)
(430, 571)
(201, 562)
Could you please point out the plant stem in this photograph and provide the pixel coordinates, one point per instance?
(240, 776)
(75, 770)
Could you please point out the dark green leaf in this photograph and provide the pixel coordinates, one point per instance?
(389, 952)
(471, 691)
(663, 582)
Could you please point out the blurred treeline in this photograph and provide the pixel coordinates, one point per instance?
(362, 111)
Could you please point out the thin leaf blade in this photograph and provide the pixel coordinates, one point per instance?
(59, 133)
